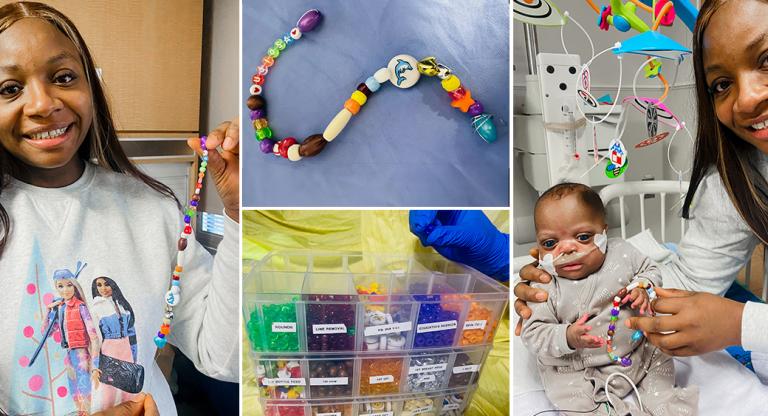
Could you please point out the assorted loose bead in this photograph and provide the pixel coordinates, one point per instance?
(276, 371)
(332, 369)
(380, 376)
(173, 296)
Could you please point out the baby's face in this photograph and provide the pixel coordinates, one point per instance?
(568, 227)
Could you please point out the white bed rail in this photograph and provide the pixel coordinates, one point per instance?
(640, 189)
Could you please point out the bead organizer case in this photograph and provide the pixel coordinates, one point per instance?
(448, 403)
(339, 328)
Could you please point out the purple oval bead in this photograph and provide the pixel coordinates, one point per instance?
(475, 109)
(187, 219)
(614, 312)
(266, 145)
(626, 361)
(309, 20)
(258, 113)
(193, 203)
(612, 327)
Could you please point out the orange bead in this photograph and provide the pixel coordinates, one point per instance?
(178, 269)
(352, 105)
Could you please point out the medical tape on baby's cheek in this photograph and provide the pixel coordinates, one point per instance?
(601, 241)
(547, 263)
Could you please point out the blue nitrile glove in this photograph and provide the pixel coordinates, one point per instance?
(467, 237)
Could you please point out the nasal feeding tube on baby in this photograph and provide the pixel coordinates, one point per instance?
(565, 258)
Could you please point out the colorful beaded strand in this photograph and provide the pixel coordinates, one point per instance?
(637, 335)
(403, 71)
(173, 296)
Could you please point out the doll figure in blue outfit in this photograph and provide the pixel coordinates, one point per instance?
(116, 322)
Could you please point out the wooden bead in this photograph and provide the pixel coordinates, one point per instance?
(312, 145)
(364, 89)
(256, 102)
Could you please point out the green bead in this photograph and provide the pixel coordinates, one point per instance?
(273, 52)
(280, 44)
(202, 170)
(204, 164)
(190, 212)
(264, 133)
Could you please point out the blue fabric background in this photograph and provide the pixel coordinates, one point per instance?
(405, 147)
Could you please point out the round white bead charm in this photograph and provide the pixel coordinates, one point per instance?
(403, 72)
(171, 298)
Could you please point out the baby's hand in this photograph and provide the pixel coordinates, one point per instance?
(578, 336)
(639, 297)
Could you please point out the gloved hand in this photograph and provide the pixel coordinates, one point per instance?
(466, 237)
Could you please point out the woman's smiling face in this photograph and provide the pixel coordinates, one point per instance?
(735, 60)
(45, 100)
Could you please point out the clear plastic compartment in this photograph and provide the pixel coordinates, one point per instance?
(449, 403)
(305, 301)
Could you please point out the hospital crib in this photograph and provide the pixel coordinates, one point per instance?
(635, 202)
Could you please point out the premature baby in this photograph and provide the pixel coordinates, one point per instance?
(577, 344)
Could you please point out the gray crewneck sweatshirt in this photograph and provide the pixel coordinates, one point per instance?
(124, 230)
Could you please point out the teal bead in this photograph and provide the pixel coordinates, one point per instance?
(484, 127)
(273, 52)
(637, 336)
(280, 44)
(160, 342)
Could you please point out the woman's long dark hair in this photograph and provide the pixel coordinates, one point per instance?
(101, 141)
(718, 146)
(117, 296)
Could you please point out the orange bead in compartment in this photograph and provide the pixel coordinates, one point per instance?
(380, 376)
(478, 312)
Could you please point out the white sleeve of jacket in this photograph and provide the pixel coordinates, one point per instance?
(205, 325)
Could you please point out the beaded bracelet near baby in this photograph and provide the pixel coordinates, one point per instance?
(173, 296)
(617, 301)
(403, 71)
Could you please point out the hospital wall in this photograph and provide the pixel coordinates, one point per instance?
(649, 162)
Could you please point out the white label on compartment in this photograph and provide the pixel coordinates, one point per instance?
(329, 381)
(379, 414)
(428, 378)
(329, 414)
(381, 379)
(427, 368)
(420, 410)
(475, 324)
(466, 369)
(284, 382)
(329, 329)
(436, 326)
(283, 326)
(452, 406)
(388, 329)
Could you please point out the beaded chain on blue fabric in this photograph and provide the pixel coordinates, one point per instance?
(403, 71)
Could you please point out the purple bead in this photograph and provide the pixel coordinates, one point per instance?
(257, 114)
(614, 312)
(193, 203)
(612, 327)
(626, 362)
(309, 20)
(475, 109)
(266, 146)
(160, 335)
(187, 219)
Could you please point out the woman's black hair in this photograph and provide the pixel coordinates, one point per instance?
(117, 296)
